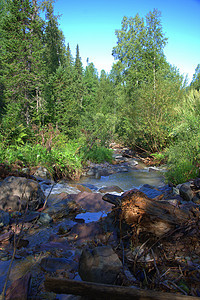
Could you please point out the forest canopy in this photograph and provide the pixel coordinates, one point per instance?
(55, 112)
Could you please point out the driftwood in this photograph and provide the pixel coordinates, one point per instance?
(149, 215)
(99, 291)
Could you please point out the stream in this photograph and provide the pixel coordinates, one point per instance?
(141, 178)
(76, 219)
(62, 236)
(127, 180)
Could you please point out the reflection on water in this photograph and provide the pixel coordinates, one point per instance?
(128, 180)
(91, 216)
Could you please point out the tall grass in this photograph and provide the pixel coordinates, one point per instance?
(184, 154)
(64, 158)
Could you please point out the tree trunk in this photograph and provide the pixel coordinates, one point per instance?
(148, 215)
(99, 291)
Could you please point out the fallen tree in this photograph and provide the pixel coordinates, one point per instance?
(104, 291)
(149, 215)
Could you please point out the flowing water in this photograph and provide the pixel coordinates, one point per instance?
(127, 180)
(124, 180)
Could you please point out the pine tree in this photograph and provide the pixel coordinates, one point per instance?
(55, 51)
(21, 57)
(78, 63)
(78, 78)
(69, 59)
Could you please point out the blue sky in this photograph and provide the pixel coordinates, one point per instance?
(91, 24)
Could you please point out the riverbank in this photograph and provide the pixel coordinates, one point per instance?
(53, 237)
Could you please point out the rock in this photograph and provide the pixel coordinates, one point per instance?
(31, 216)
(22, 267)
(44, 219)
(56, 198)
(90, 186)
(121, 169)
(62, 208)
(186, 192)
(53, 264)
(97, 171)
(19, 289)
(4, 266)
(197, 183)
(6, 236)
(17, 192)
(196, 198)
(53, 246)
(83, 188)
(132, 163)
(42, 173)
(100, 265)
(4, 218)
(21, 243)
(26, 170)
(153, 169)
(11, 203)
(174, 202)
(150, 191)
(91, 202)
(110, 189)
(127, 153)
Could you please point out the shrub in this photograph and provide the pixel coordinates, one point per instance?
(183, 156)
(97, 154)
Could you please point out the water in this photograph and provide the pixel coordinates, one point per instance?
(91, 216)
(124, 180)
(127, 180)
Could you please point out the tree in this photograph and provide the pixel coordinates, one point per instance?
(196, 79)
(139, 49)
(148, 82)
(21, 57)
(69, 59)
(78, 63)
(67, 109)
(55, 51)
(155, 43)
(130, 51)
(78, 78)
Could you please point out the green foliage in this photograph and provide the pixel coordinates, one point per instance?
(97, 154)
(63, 160)
(159, 156)
(56, 114)
(181, 163)
(21, 55)
(149, 87)
(183, 156)
(195, 84)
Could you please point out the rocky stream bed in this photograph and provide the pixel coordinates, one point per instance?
(53, 235)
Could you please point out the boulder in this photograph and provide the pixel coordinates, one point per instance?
(111, 189)
(53, 264)
(91, 202)
(4, 218)
(16, 193)
(186, 192)
(100, 265)
(61, 209)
